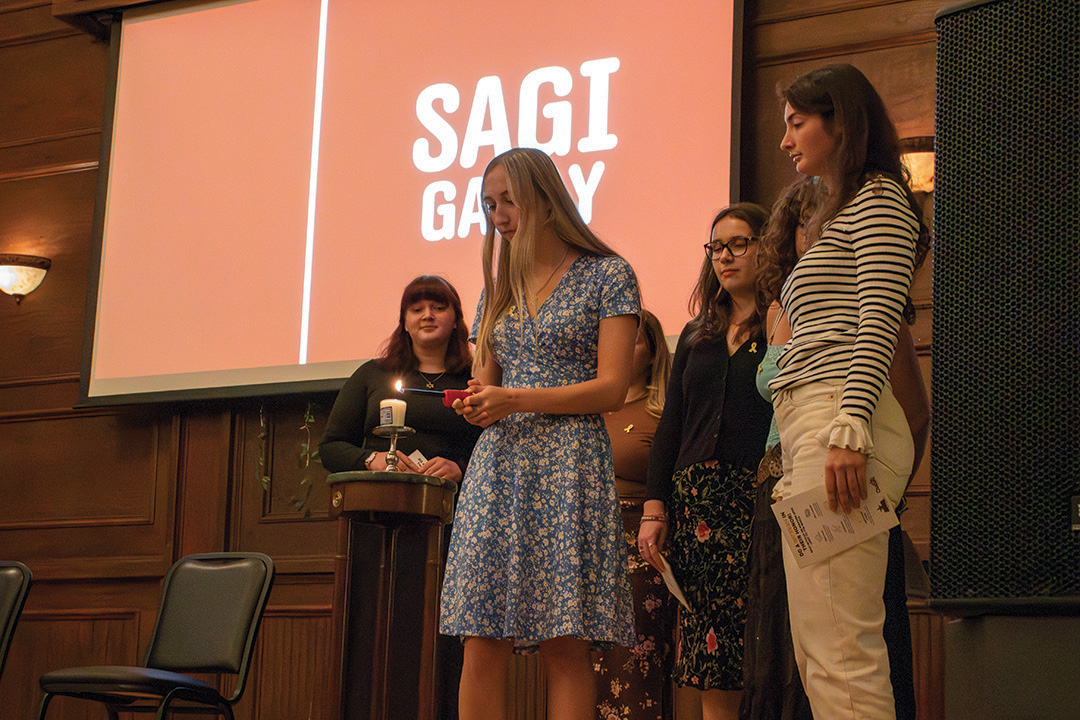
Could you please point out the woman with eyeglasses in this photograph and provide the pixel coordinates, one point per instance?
(700, 488)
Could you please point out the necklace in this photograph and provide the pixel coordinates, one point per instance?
(430, 382)
(536, 295)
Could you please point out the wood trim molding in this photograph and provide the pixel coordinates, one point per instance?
(31, 27)
(306, 565)
(143, 511)
(48, 170)
(50, 137)
(110, 568)
(820, 53)
(85, 522)
(298, 611)
(25, 5)
(57, 379)
(70, 7)
(81, 614)
(294, 517)
(58, 413)
(818, 9)
(16, 40)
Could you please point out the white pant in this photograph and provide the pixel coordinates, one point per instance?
(835, 605)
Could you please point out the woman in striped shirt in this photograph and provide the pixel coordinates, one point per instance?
(840, 424)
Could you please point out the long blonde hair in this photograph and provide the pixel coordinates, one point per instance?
(532, 180)
(659, 366)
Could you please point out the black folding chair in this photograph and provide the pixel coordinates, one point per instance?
(14, 586)
(211, 607)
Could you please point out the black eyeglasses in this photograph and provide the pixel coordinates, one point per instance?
(736, 246)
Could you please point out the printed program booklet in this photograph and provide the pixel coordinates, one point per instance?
(813, 532)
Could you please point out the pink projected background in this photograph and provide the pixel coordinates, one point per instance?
(213, 180)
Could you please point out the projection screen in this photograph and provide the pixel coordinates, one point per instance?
(277, 170)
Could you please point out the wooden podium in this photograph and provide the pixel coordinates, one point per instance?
(394, 563)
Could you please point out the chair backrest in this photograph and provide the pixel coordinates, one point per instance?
(211, 607)
(14, 586)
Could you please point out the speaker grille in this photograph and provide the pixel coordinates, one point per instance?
(1006, 359)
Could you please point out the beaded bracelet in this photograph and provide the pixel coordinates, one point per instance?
(655, 518)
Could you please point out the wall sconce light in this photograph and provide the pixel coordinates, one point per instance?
(917, 155)
(20, 274)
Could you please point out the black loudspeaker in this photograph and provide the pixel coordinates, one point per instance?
(1006, 347)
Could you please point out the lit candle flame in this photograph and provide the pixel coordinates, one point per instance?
(397, 386)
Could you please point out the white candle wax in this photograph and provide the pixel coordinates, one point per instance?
(392, 412)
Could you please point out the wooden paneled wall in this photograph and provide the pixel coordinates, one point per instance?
(100, 502)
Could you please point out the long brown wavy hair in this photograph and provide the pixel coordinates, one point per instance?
(397, 352)
(868, 145)
(777, 255)
(710, 303)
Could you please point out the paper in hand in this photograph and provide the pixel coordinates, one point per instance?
(418, 457)
(672, 585)
(813, 532)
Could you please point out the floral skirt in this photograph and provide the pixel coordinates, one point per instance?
(633, 682)
(712, 506)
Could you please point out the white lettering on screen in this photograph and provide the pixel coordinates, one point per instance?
(558, 112)
(437, 126)
(472, 209)
(598, 138)
(444, 211)
(585, 188)
(487, 126)
(487, 103)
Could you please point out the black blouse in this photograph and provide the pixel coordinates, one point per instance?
(712, 410)
(440, 432)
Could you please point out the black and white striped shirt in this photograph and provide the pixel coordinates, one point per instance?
(846, 296)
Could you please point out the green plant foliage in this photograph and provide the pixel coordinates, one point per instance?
(308, 461)
(264, 436)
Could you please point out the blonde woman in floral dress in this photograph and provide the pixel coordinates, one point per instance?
(537, 558)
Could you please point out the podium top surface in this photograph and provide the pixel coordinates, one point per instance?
(389, 477)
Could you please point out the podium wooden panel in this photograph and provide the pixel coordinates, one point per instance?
(394, 552)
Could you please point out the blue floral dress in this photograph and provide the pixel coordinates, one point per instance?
(537, 550)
